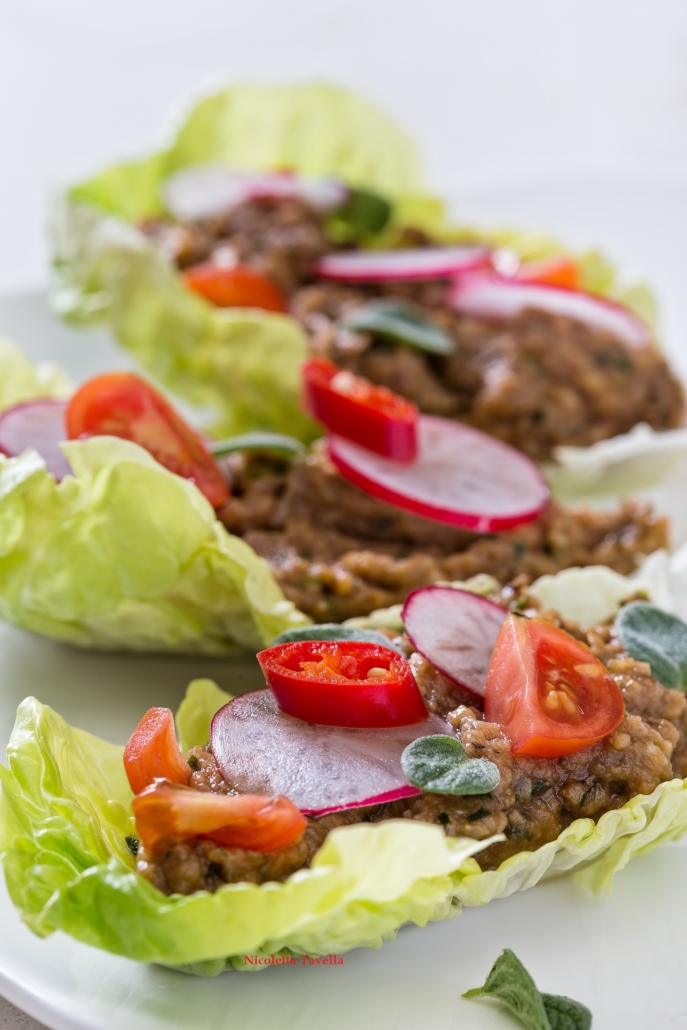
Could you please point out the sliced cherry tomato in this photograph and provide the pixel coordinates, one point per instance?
(234, 287)
(249, 821)
(554, 271)
(351, 407)
(343, 683)
(153, 752)
(550, 694)
(122, 404)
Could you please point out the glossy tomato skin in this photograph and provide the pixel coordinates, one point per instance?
(122, 404)
(352, 407)
(153, 752)
(559, 270)
(164, 810)
(234, 287)
(549, 693)
(329, 683)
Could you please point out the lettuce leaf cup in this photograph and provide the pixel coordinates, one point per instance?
(242, 364)
(66, 832)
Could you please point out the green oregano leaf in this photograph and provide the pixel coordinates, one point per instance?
(510, 982)
(333, 631)
(278, 443)
(441, 765)
(365, 211)
(400, 321)
(565, 1014)
(512, 985)
(651, 635)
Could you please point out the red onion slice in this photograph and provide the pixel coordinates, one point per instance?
(455, 631)
(370, 266)
(462, 477)
(260, 750)
(206, 191)
(38, 424)
(489, 296)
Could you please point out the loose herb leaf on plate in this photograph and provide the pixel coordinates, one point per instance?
(651, 635)
(565, 1014)
(441, 765)
(400, 321)
(511, 984)
(278, 443)
(333, 631)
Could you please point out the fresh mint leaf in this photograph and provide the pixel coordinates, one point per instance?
(365, 212)
(510, 982)
(400, 321)
(651, 635)
(441, 765)
(333, 631)
(565, 1014)
(278, 443)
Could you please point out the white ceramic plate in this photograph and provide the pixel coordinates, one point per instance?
(624, 957)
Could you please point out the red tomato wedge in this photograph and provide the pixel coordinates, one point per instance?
(248, 821)
(122, 404)
(153, 752)
(550, 694)
(234, 287)
(343, 683)
(350, 406)
(560, 270)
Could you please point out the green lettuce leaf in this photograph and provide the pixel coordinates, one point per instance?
(21, 380)
(126, 555)
(64, 817)
(63, 821)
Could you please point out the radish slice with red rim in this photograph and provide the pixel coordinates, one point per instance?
(372, 266)
(206, 191)
(489, 296)
(260, 750)
(38, 424)
(456, 631)
(462, 477)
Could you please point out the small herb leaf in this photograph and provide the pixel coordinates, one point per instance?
(133, 844)
(275, 442)
(651, 635)
(333, 631)
(510, 982)
(441, 765)
(566, 1014)
(365, 211)
(398, 320)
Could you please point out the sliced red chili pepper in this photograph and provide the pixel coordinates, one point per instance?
(554, 271)
(153, 752)
(346, 683)
(234, 287)
(352, 407)
(122, 404)
(249, 821)
(550, 694)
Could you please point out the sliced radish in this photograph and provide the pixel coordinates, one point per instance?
(489, 296)
(370, 266)
(462, 477)
(455, 631)
(205, 191)
(38, 424)
(260, 750)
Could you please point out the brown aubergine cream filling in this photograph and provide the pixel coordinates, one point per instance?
(537, 380)
(535, 800)
(338, 553)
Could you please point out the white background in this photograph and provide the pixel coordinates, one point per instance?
(496, 91)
